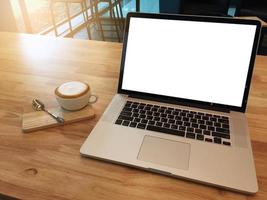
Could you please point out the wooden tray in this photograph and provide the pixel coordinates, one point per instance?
(37, 120)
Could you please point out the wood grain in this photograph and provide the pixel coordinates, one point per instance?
(46, 164)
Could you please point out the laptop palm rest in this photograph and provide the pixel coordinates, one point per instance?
(161, 151)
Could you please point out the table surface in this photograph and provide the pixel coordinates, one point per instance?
(47, 164)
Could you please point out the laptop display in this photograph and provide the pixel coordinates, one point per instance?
(189, 59)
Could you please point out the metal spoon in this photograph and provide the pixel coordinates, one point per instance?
(38, 106)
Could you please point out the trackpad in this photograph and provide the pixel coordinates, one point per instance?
(165, 152)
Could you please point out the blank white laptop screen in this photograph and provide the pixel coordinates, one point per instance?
(202, 61)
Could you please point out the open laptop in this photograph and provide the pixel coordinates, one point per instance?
(182, 95)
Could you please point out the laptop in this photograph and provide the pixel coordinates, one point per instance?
(181, 101)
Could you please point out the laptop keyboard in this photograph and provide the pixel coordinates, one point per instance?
(185, 123)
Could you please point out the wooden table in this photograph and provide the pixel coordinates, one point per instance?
(47, 164)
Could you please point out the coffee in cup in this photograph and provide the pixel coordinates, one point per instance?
(74, 95)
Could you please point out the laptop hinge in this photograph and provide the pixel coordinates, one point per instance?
(170, 101)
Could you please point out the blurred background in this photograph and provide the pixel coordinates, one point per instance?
(104, 19)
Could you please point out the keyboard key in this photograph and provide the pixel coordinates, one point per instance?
(133, 124)
(137, 119)
(182, 128)
(166, 125)
(187, 124)
(163, 120)
(163, 115)
(118, 121)
(170, 116)
(144, 121)
(175, 112)
(142, 116)
(134, 106)
(149, 117)
(185, 119)
(165, 130)
(125, 123)
(142, 111)
(199, 131)
(194, 125)
(208, 140)
(127, 109)
(141, 107)
(213, 119)
(171, 121)
(226, 143)
(200, 137)
(147, 108)
(189, 115)
(209, 123)
(217, 124)
(226, 126)
(161, 110)
(142, 126)
(135, 115)
(149, 112)
(122, 117)
(179, 122)
(189, 129)
(193, 120)
(222, 130)
(200, 121)
(151, 122)
(173, 126)
(178, 118)
(198, 116)
(154, 109)
(201, 126)
(221, 135)
(205, 132)
(217, 140)
(159, 124)
(168, 111)
(211, 128)
(205, 118)
(224, 121)
(156, 114)
(182, 114)
(125, 113)
(156, 118)
(190, 135)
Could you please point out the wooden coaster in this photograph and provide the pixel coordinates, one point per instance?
(37, 120)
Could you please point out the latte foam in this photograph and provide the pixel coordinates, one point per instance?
(74, 88)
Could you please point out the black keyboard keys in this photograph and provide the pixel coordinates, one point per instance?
(190, 124)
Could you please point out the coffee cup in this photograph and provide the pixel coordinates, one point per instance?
(74, 95)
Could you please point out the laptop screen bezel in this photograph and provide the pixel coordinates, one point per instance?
(182, 101)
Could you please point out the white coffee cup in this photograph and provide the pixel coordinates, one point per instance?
(74, 95)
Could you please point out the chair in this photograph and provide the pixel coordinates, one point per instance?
(108, 13)
(84, 9)
(205, 7)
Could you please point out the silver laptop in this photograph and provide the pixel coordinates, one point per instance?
(181, 101)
